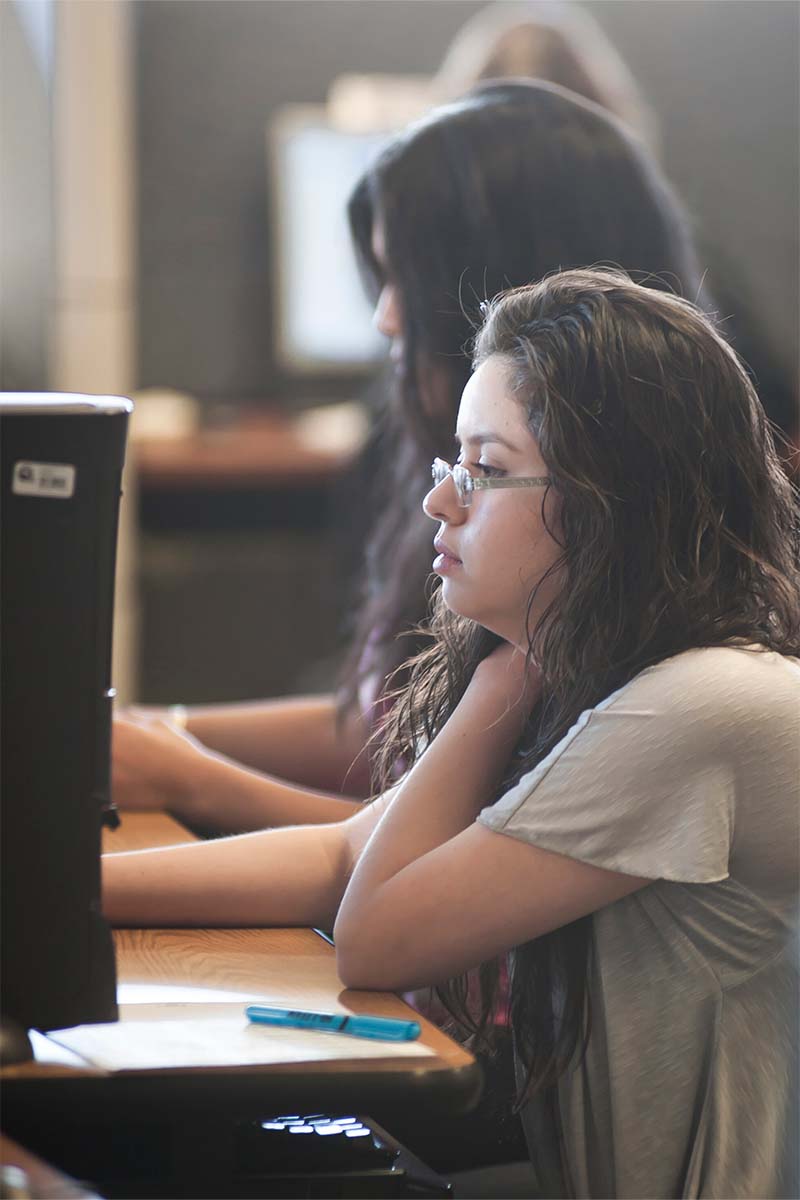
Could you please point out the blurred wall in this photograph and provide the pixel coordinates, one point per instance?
(26, 247)
(210, 72)
(93, 294)
(721, 76)
(724, 81)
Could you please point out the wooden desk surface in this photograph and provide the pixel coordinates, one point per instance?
(179, 975)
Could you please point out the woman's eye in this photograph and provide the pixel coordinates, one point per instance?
(488, 471)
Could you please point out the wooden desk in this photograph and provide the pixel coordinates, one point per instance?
(287, 1070)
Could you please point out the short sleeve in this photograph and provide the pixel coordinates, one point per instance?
(642, 784)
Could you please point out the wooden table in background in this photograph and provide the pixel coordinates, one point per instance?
(261, 446)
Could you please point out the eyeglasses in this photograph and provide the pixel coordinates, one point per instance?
(466, 484)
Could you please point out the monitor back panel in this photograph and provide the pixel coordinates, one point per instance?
(60, 500)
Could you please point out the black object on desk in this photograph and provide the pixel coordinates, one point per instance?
(62, 460)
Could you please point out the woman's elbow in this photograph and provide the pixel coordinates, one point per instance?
(354, 962)
(355, 972)
(364, 960)
(369, 972)
(369, 963)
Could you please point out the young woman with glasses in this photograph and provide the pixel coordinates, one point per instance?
(601, 746)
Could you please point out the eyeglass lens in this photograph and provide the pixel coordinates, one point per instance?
(461, 479)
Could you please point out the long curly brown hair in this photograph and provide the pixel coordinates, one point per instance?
(679, 530)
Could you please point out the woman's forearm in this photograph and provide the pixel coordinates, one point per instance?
(218, 795)
(292, 876)
(299, 739)
(443, 793)
(237, 882)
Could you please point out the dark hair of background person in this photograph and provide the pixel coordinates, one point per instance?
(679, 529)
(498, 189)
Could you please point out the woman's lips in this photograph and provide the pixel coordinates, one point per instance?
(446, 561)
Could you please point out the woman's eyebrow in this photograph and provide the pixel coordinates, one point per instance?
(479, 439)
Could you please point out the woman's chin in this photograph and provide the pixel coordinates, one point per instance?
(456, 605)
(451, 599)
(452, 608)
(458, 611)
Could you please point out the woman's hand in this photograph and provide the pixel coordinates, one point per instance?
(153, 762)
(510, 677)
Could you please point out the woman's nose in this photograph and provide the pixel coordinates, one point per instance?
(441, 503)
(387, 317)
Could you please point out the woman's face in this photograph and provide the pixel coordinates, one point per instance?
(388, 315)
(493, 553)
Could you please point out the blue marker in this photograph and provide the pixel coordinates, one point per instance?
(381, 1028)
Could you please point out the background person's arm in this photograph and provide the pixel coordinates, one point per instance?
(292, 876)
(155, 766)
(274, 736)
(297, 738)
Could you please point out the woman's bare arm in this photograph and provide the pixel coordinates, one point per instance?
(242, 767)
(435, 893)
(292, 876)
(297, 738)
(156, 766)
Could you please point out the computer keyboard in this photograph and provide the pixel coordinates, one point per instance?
(318, 1141)
(335, 1155)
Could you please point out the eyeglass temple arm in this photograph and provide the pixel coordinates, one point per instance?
(517, 481)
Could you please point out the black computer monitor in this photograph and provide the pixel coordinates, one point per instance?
(62, 459)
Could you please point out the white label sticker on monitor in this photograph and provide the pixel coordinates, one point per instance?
(56, 480)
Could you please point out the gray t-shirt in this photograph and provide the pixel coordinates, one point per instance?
(689, 776)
